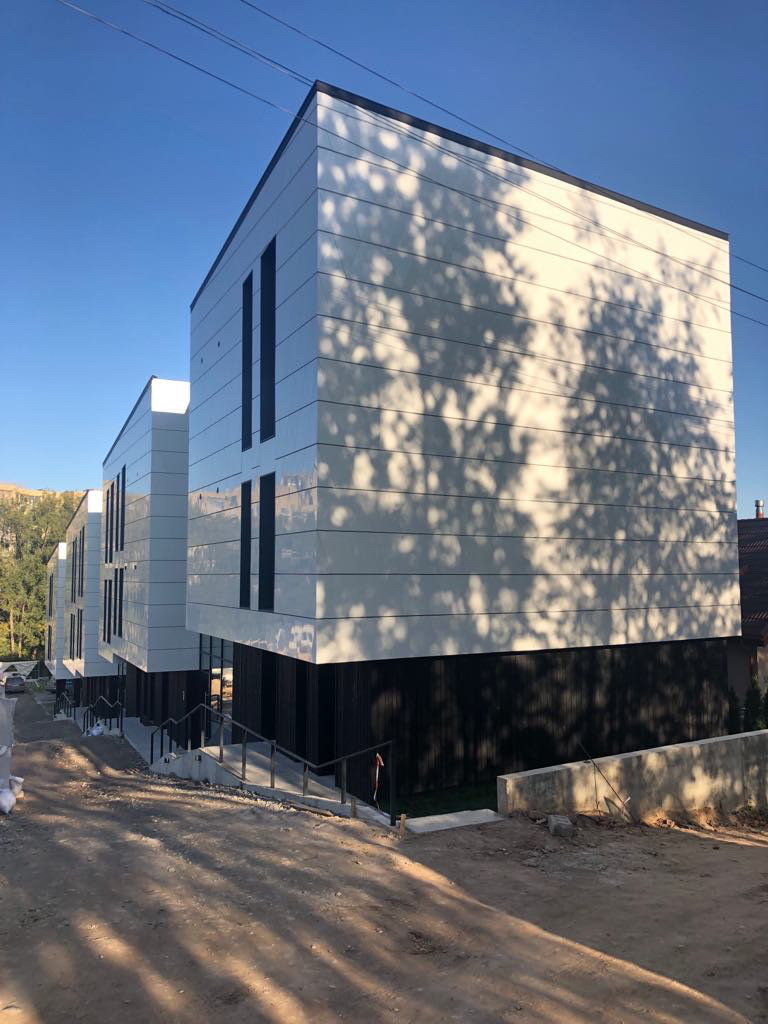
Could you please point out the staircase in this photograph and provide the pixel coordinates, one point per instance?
(260, 766)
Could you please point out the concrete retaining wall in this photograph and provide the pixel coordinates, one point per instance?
(726, 772)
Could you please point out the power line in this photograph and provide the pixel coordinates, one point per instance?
(750, 263)
(236, 44)
(403, 167)
(451, 113)
(215, 33)
(390, 81)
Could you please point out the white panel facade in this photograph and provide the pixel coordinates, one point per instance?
(286, 209)
(56, 602)
(504, 408)
(144, 535)
(81, 605)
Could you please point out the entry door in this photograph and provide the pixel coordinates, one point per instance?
(220, 699)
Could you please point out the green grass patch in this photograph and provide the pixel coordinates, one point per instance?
(458, 798)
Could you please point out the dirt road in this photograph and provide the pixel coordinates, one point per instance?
(130, 899)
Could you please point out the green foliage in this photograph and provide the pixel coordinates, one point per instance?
(734, 712)
(753, 707)
(28, 532)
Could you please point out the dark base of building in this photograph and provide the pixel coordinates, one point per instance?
(154, 697)
(466, 719)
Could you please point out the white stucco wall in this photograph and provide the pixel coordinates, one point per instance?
(153, 447)
(57, 568)
(509, 426)
(87, 516)
(286, 208)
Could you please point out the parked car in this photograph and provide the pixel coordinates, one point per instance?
(14, 683)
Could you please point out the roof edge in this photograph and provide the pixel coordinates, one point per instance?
(128, 418)
(452, 136)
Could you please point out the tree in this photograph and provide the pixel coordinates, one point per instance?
(753, 707)
(28, 531)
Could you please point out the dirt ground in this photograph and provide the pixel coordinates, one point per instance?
(125, 898)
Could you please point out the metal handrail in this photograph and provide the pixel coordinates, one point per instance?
(275, 748)
(90, 715)
(65, 704)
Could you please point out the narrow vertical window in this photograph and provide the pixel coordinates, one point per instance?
(245, 544)
(106, 526)
(117, 512)
(267, 543)
(109, 610)
(73, 566)
(111, 521)
(120, 605)
(82, 561)
(114, 608)
(50, 596)
(106, 607)
(267, 349)
(50, 644)
(122, 509)
(247, 350)
(71, 635)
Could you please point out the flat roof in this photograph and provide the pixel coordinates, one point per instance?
(452, 136)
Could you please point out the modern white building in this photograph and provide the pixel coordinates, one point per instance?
(461, 458)
(56, 601)
(144, 555)
(80, 605)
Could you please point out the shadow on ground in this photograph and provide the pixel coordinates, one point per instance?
(139, 899)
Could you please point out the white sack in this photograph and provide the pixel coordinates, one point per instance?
(7, 801)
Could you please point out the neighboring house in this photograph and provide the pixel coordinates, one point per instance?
(144, 557)
(748, 656)
(461, 456)
(56, 600)
(81, 606)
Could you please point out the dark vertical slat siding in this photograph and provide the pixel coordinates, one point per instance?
(467, 719)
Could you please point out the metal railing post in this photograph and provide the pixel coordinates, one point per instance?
(305, 780)
(272, 766)
(162, 740)
(152, 748)
(221, 742)
(392, 783)
(344, 780)
(242, 761)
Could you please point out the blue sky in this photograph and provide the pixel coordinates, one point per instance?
(122, 172)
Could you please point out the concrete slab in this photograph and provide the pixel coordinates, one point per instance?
(458, 819)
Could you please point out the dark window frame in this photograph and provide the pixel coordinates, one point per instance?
(247, 364)
(106, 526)
(267, 340)
(122, 509)
(245, 543)
(267, 499)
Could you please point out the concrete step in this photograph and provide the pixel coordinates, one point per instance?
(202, 766)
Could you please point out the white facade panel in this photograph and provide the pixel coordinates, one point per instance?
(55, 611)
(144, 535)
(509, 395)
(82, 657)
